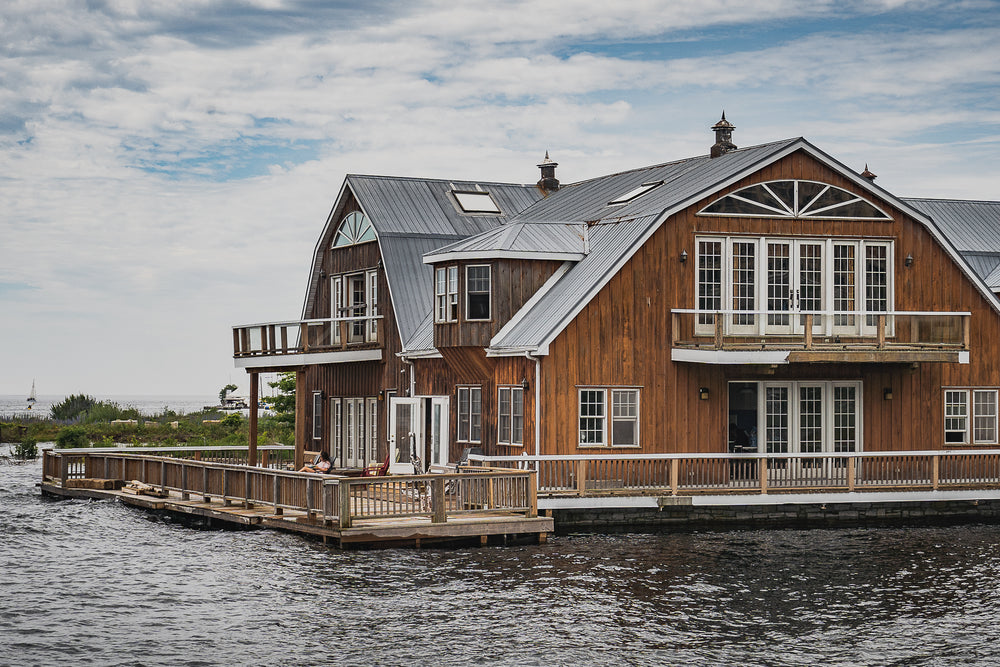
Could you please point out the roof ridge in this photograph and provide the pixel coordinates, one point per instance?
(948, 199)
(680, 161)
(419, 179)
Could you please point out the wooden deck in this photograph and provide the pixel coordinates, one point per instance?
(417, 510)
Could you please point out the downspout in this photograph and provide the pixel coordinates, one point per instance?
(413, 380)
(538, 404)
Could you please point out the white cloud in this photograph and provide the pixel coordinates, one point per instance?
(126, 121)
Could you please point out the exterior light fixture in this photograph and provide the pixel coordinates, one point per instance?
(887, 393)
(524, 384)
(703, 393)
(909, 260)
(684, 256)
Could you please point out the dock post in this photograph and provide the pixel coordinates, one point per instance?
(532, 494)
(205, 498)
(277, 497)
(581, 477)
(675, 465)
(64, 469)
(184, 483)
(437, 501)
(936, 472)
(763, 476)
(344, 486)
(254, 408)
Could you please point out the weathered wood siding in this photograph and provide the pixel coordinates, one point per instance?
(622, 337)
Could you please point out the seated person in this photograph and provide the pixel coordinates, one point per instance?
(322, 465)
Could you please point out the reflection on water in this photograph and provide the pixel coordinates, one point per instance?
(100, 583)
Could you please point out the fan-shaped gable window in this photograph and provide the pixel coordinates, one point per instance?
(354, 228)
(795, 199)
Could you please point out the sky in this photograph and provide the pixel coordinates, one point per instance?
(166, 166)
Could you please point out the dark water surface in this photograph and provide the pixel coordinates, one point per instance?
(99, 583)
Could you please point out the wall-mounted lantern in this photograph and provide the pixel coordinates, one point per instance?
(703, 393)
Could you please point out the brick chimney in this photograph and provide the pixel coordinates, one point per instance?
(723, 137)
(548, 182)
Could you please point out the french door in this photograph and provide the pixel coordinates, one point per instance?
(404, 433)
(810, 418)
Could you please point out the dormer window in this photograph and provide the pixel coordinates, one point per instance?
(477, 289)
(795, 199)
(354, 228)
(475, 202)
(635, 193)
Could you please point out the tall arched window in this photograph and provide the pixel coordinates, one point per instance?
(354, 228)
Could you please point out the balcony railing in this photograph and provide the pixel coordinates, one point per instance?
(823, 331)
(690, 474)
(306, 336)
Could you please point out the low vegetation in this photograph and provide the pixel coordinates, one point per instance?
(82, 421)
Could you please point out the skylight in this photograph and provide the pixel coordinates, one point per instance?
(633, 194)
(476, 202)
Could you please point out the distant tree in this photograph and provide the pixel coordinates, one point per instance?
(284, 400)
(225, 392)
(72, 407)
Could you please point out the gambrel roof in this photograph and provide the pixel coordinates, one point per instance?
(617, 231)
(973, 227)
(412, 216)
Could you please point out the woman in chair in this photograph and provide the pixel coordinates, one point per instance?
(321, 466)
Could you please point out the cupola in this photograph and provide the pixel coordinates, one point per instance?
(548, 182)
(723, 137)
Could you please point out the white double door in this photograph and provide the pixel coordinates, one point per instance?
(418, 433)
(355, 431)
(789, 286)
(810, 417)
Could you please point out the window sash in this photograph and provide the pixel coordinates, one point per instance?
(956, 416)
(470, 406)
(477, 290)
(593, 420)
(510, 416)
(625, 418)
(317, 415)
(984, 420)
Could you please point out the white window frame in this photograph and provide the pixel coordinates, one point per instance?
(488, 292)
(371, 301)
(337, 429)
(951, 404)
(506, 422)
(608, 418)
(317, 415)
(464, 402)
(372, 431)
(862, 321)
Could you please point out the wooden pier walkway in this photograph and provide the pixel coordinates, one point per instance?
(418, 510)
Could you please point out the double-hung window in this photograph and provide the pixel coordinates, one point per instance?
(477, 288)
(446, 294)
(614, 427)
(970, 423)
(317, 415)
(510, 416)
(470, 414)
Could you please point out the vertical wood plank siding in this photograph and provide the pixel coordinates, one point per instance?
(622, 337)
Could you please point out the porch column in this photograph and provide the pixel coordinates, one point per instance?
(300, 418)
(252, 444)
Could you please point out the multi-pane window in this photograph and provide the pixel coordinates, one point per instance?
(317, 415)
(956, 416)
(709, 279)
(624, 418)
(372, 305)
(477, 288)
(446, 294)
(470, 414)
(974, 423)
(510, 416)
(831, 280)
(372, 430)
(984, 410)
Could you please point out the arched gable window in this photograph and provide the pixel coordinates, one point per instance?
(795, 199)
(354, 228)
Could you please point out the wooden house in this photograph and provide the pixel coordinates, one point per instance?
(764, 299)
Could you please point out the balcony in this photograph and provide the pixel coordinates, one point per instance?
(784, 337)
(281, 345)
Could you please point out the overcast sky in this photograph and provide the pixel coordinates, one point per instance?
(167, 165)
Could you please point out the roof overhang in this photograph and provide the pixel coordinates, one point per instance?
(465, 255)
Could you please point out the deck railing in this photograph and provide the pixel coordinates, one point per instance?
(335, 500)
(742, 329)
(686, 474)
(304, 336)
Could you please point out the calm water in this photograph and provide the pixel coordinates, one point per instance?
(100, 583)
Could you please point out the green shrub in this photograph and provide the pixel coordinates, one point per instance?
(72, 437)
(72, 407)
(26, 449)
(233, 421)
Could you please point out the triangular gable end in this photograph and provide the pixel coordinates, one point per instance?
(800, 144)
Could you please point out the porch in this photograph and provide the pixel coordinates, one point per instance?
(784, 336)
(344, 510)
(302, 342)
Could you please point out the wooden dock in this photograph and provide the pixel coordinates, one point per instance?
(412, 510)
